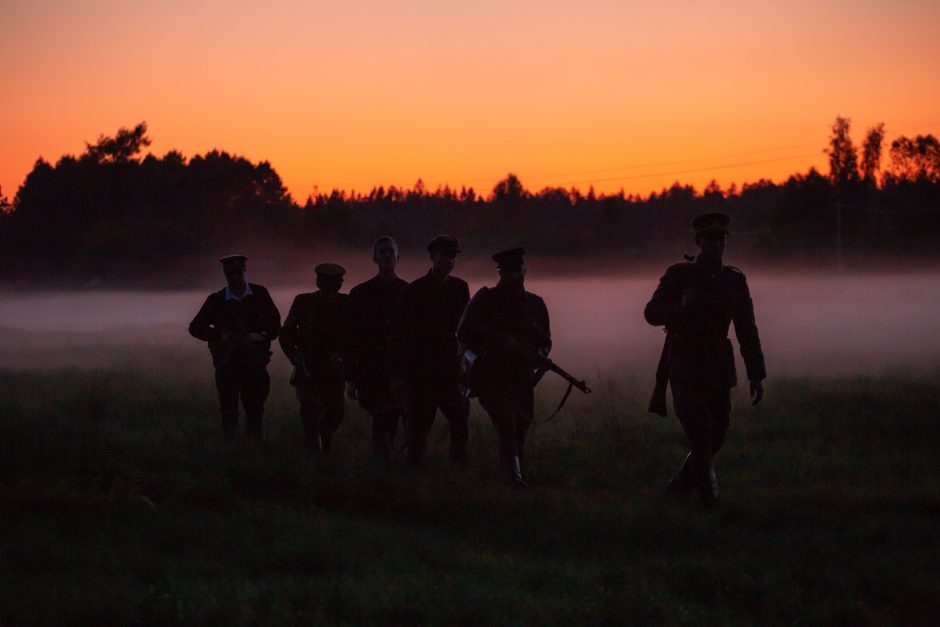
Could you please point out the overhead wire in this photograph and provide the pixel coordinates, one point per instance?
(704, 168)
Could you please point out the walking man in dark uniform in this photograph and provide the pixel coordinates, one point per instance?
(697, 301)
(372, 308)
(239, 322)
(424, 352)
(314, 339)
(507, 329)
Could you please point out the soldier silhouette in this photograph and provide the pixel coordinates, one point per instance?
(239, 322)
(314, 338)
(371, 317)
(508, 330)
(697, 301)
(424, 353)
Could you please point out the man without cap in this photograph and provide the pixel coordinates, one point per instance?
(239, 322)
(696, 302)
(371, 312)
(314, 338)
(507, 328)
(424, 352)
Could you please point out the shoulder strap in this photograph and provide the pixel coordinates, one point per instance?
(564, 399)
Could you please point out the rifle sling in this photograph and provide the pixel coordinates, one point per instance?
(564, 399)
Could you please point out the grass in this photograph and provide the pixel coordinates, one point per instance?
(120, 504)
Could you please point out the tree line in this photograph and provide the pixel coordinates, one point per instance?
(114, 216)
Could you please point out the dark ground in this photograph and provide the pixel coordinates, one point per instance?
(121, 505)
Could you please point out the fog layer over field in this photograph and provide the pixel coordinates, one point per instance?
(851, 324)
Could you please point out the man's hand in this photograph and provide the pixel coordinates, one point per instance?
(690, 297)
(757, 392)
(351, 392)
(254, 337)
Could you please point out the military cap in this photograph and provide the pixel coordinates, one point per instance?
(711, 223)
(233, 260)
(511, 259)
(330, 270)
(445, 243)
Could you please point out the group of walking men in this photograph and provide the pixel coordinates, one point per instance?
(396, 348)
(390, 344)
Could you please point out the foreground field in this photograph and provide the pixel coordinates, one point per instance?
(120, 504)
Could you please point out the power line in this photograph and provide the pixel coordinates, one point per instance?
(690, 170)
(671, 163)
(657, 174)
(888, 211)
(466, 182)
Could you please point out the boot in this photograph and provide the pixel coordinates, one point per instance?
(684, 480)
(514, 473)
(708, 487)
(314, 445)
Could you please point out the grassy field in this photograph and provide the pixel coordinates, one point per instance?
(120, 504)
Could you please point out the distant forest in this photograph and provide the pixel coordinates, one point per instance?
(114, 217)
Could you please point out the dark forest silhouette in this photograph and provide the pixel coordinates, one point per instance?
(115, 217)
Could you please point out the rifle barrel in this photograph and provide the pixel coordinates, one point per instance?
(564, 374)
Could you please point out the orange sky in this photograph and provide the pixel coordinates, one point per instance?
(355, 93)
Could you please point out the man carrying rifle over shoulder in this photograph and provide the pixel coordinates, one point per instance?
(507, 328)
(314, 338)
(239, 322)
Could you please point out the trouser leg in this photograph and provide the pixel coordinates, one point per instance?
(422, 406)
(311, 411)
(255, 387)
(376, 398)
(384, 425)
(719, 405)
(525, 413)
(226, 383)
(456, 410)
(334, 408)
(695, 414)
(502, 417)
(684, 481)
(509, 409)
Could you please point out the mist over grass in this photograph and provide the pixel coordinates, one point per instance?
(121, 504)
(810, 324)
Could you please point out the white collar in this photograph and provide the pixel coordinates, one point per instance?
(229, 295)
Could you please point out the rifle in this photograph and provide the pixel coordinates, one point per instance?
(544, 365)
(658, 400)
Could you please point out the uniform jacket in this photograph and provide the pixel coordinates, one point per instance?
(424, 345)
(501, 311)
(315, 331)
(254, 313)
(697, 349)
(371, 318)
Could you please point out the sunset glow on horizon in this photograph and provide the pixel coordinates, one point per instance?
(359, 94)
